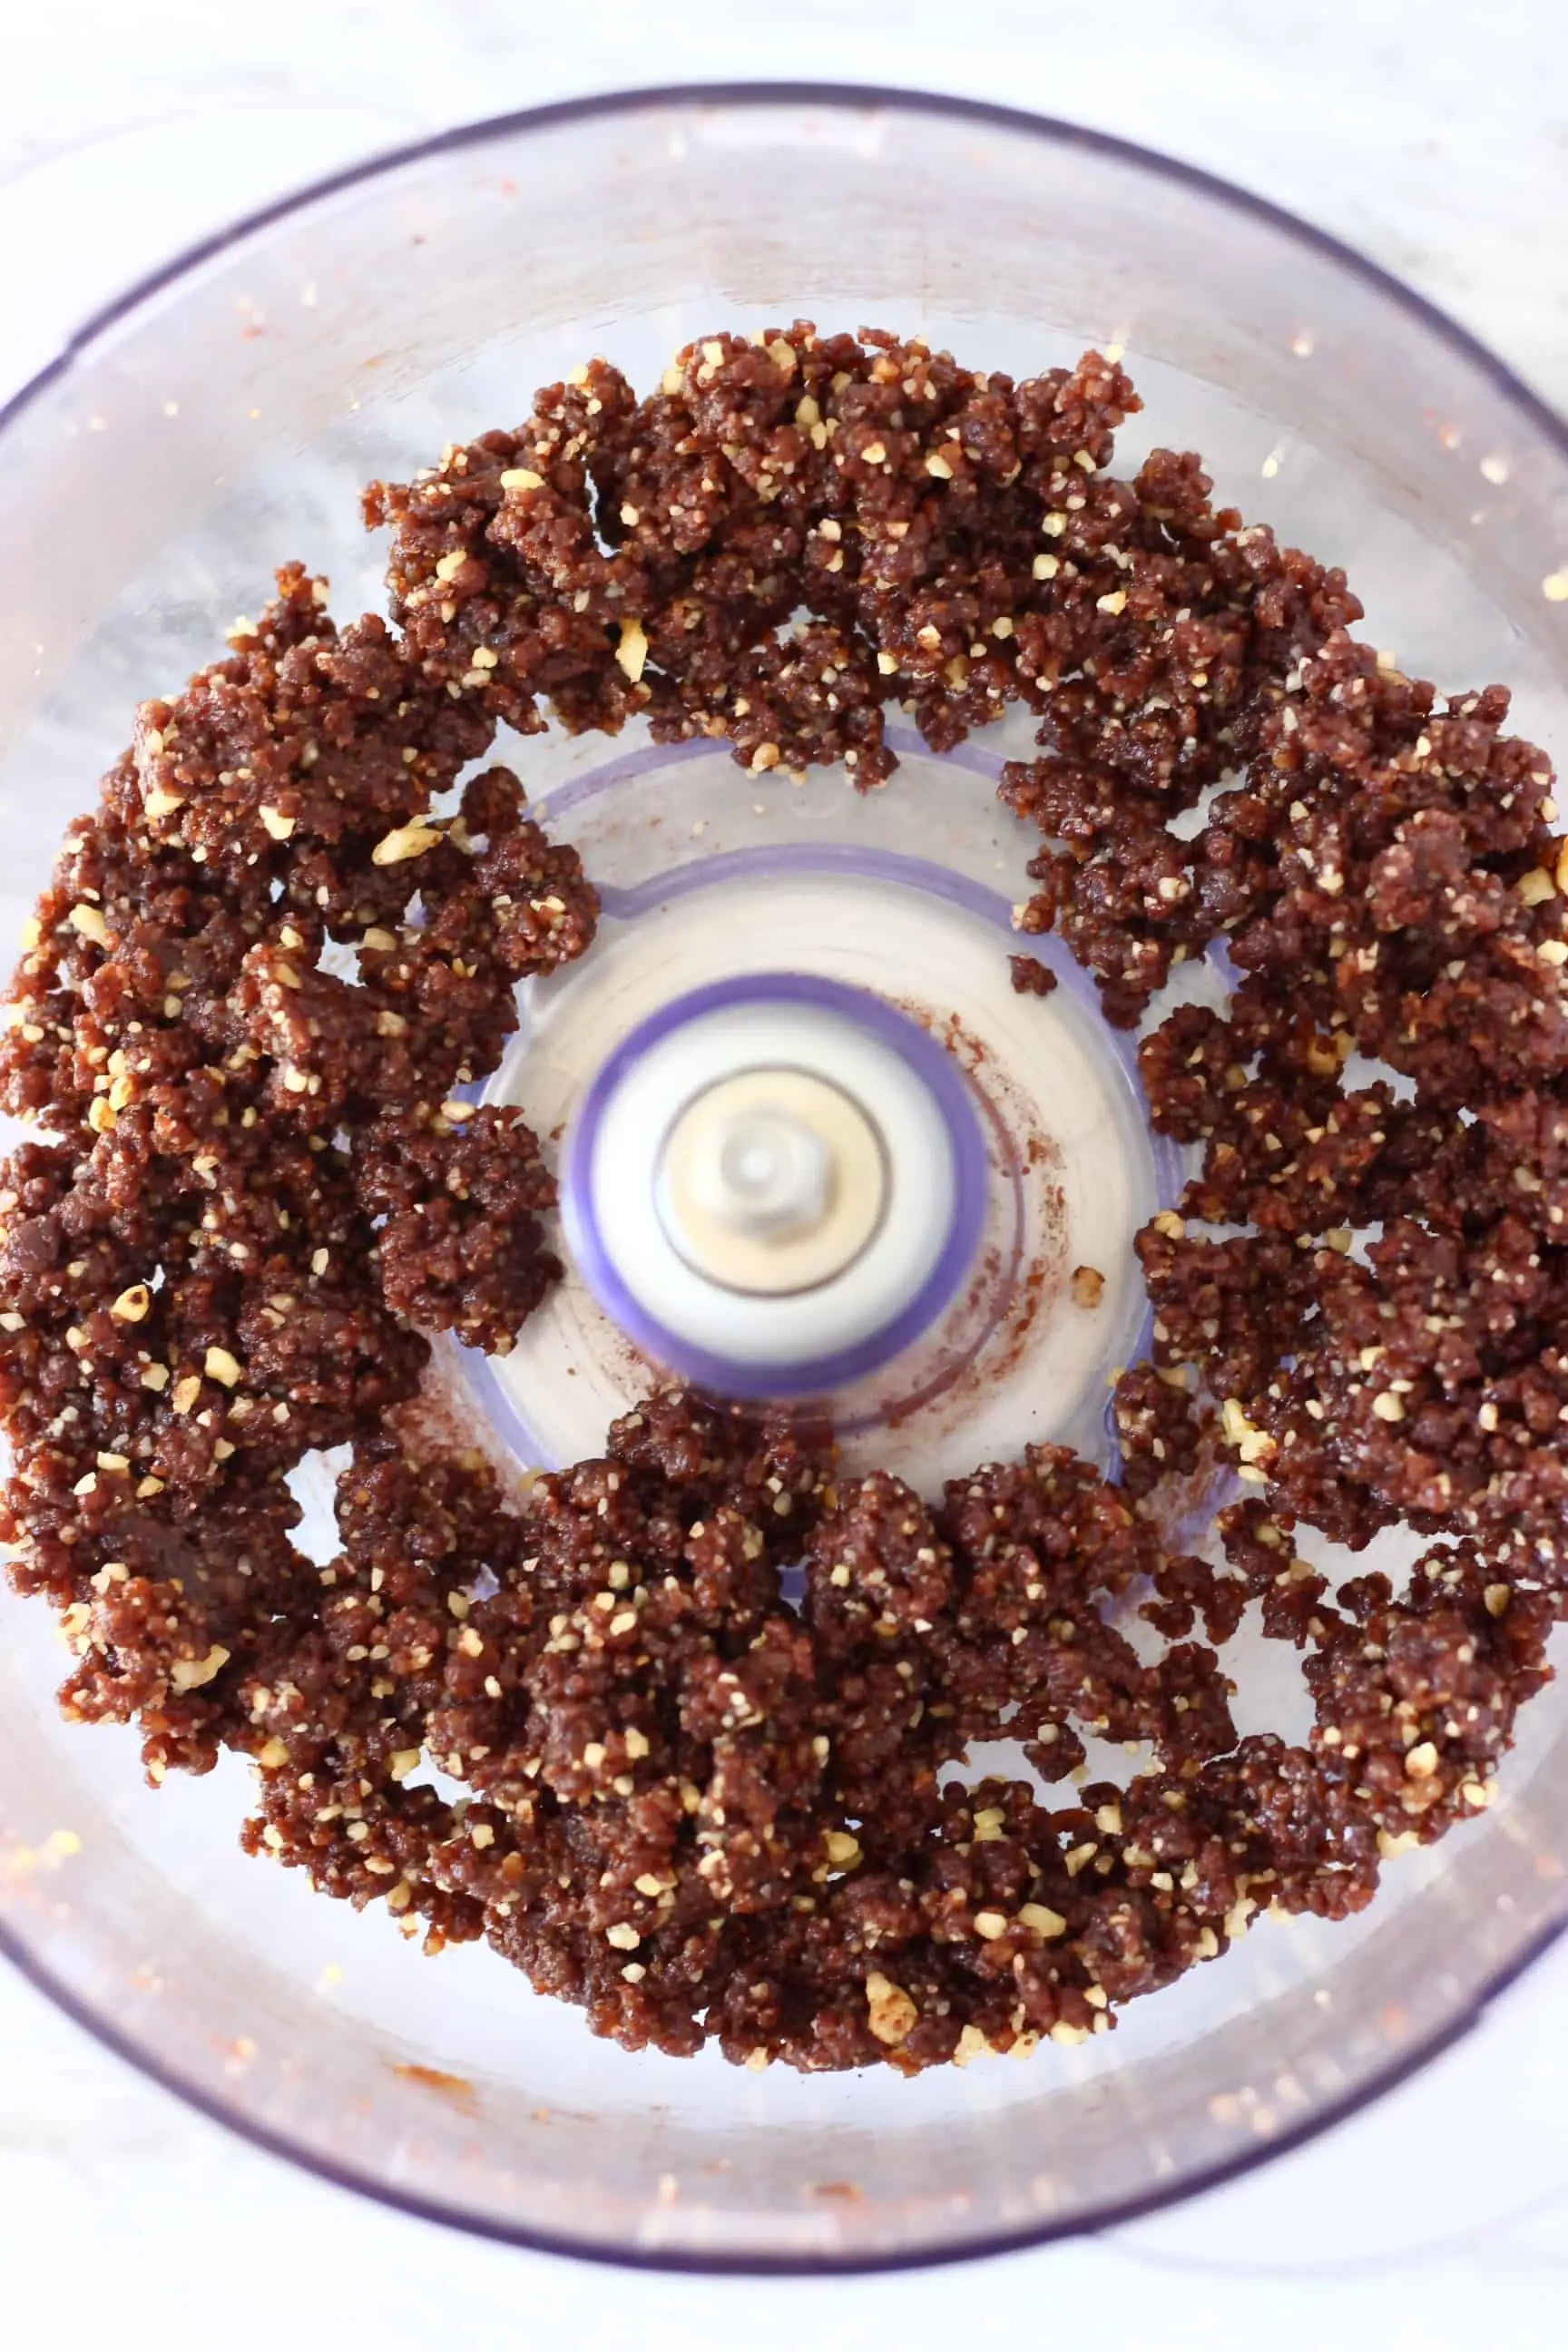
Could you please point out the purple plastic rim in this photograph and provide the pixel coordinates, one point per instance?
(936, 1071)
(1527, 405)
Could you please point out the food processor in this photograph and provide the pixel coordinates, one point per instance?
(811, 1140)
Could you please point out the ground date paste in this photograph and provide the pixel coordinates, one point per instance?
(292, 929)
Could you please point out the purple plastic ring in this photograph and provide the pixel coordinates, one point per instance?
(937, 1073)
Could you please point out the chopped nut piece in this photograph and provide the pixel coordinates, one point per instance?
(1087, 1285)
(89, 921)
(193, 1673)
(632, 651)
(405, 841)
(890, 2013)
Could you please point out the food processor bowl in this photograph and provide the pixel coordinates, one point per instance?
(221, 419)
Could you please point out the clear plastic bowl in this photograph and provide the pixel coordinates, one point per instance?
(221, 418)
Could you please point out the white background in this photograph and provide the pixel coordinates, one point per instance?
(1434, 134)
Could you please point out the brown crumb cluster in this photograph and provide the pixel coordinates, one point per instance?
(290, 937)
(1030, 976)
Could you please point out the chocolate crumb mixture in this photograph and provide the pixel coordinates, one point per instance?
(268, 965)
(1030, 976)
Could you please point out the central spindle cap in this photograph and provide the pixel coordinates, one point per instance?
(773, 1181)
(775, 1184)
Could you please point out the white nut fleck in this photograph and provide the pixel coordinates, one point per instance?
(632, 651)
(190, 1673)
(89, 921)
(402, 842)
(889, 2011)
(1087, 1285)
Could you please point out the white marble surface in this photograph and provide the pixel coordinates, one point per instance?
(1434, 135)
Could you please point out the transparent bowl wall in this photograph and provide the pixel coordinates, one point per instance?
(223, 420)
